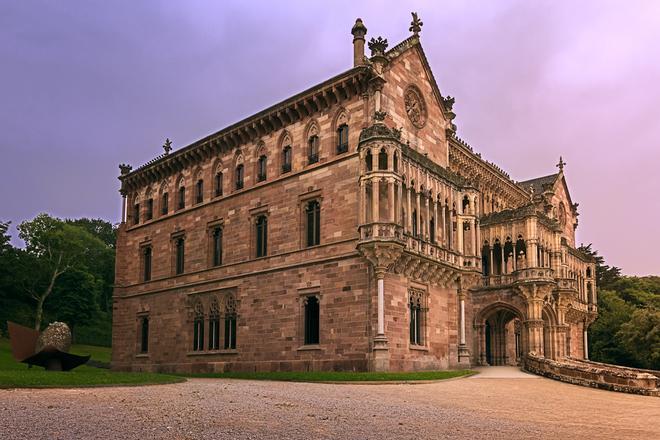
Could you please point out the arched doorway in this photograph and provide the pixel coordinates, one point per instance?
(501, 338)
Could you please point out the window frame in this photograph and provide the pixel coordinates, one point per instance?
(199, 191)
(342, 147)
(262, 168)
(178, 265)
(146, 256)
(287, 159)
(143, 334)
(164, 203)
(239, 177)
(313, 148)
(312, 222)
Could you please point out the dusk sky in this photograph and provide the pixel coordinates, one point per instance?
(86, 85)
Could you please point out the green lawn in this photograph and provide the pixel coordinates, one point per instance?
(339, 376)
(17, 375)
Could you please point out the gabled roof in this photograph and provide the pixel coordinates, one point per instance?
(538, 183)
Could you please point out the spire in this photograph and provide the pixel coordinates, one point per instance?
(416, 24)
(359, 31)
(561, 164)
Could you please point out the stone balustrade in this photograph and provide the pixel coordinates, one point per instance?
(590, 374)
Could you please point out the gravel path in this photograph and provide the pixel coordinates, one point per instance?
(491, 408)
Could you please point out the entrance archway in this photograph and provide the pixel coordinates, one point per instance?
(501, 339)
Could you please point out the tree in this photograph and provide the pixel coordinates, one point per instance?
(55, 247)
(605, 275)
(641, 336)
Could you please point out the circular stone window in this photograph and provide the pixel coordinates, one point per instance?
(415, 106)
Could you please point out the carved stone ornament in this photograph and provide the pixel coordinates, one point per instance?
(124, 168)
(415, 106)
(377, 46)
(416, 24)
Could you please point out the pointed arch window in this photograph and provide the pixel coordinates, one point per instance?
(182, 197)
(150, 209)
(342, 139)
(164, 204)
(239, 176)
(230, 324)
(136, 213)
(199, 191)
(382, 159)
(261, 168)
(414, 223)
(286, 159)
(417, 312)
(198, 328)
(217, 184)
(313, 149)
(214, 326)
(368, 160)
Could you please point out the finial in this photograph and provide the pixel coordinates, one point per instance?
(561, 164)
(416, 24)
(531, 192)
(167, 146)
(359, 29)
(377, 46)
(124, 169)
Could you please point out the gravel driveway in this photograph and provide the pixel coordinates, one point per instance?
(467, 408)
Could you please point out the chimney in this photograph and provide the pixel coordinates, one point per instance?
(358, 31)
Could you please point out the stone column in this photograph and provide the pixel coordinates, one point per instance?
(363, 202)
(534, 325)
(399, 202)
(123, 208)
(463, 351)
(459, 234)
(381, 360)
(586, 342)
(418, 217)
(375, 200)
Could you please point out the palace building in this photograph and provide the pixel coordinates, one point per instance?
(346, 228)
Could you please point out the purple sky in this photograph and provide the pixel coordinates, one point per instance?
(85, 85)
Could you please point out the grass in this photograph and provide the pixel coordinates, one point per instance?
(16, 375)
(339, 376)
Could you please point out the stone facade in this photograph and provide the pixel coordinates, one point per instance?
(346, 228)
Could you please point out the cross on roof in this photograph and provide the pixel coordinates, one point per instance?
(561, 164)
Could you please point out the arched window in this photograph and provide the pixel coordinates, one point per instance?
(198, 328)
(342, 139)
(312, 317)
(261, 168)
(416, 318)
(261, 236)
(286, 159)
(369, 161)
(485, 258)
(180, 251)
(382, 159)
(313, 217)
(149, 214)
(432, 230)
(230, 324)
(521, 247)
(164, 203)
(396, 162)
(239, 176)
(136, 213)
(313, 149)
(414, 222)
(218, 184)
(217, 246)
(182, 197)
(508, 250)
(199, 191)
(214, 326)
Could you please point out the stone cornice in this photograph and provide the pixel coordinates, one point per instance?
(461, 154)
(442, 172)
(298, 107)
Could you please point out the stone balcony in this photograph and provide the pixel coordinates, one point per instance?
(526, 275)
